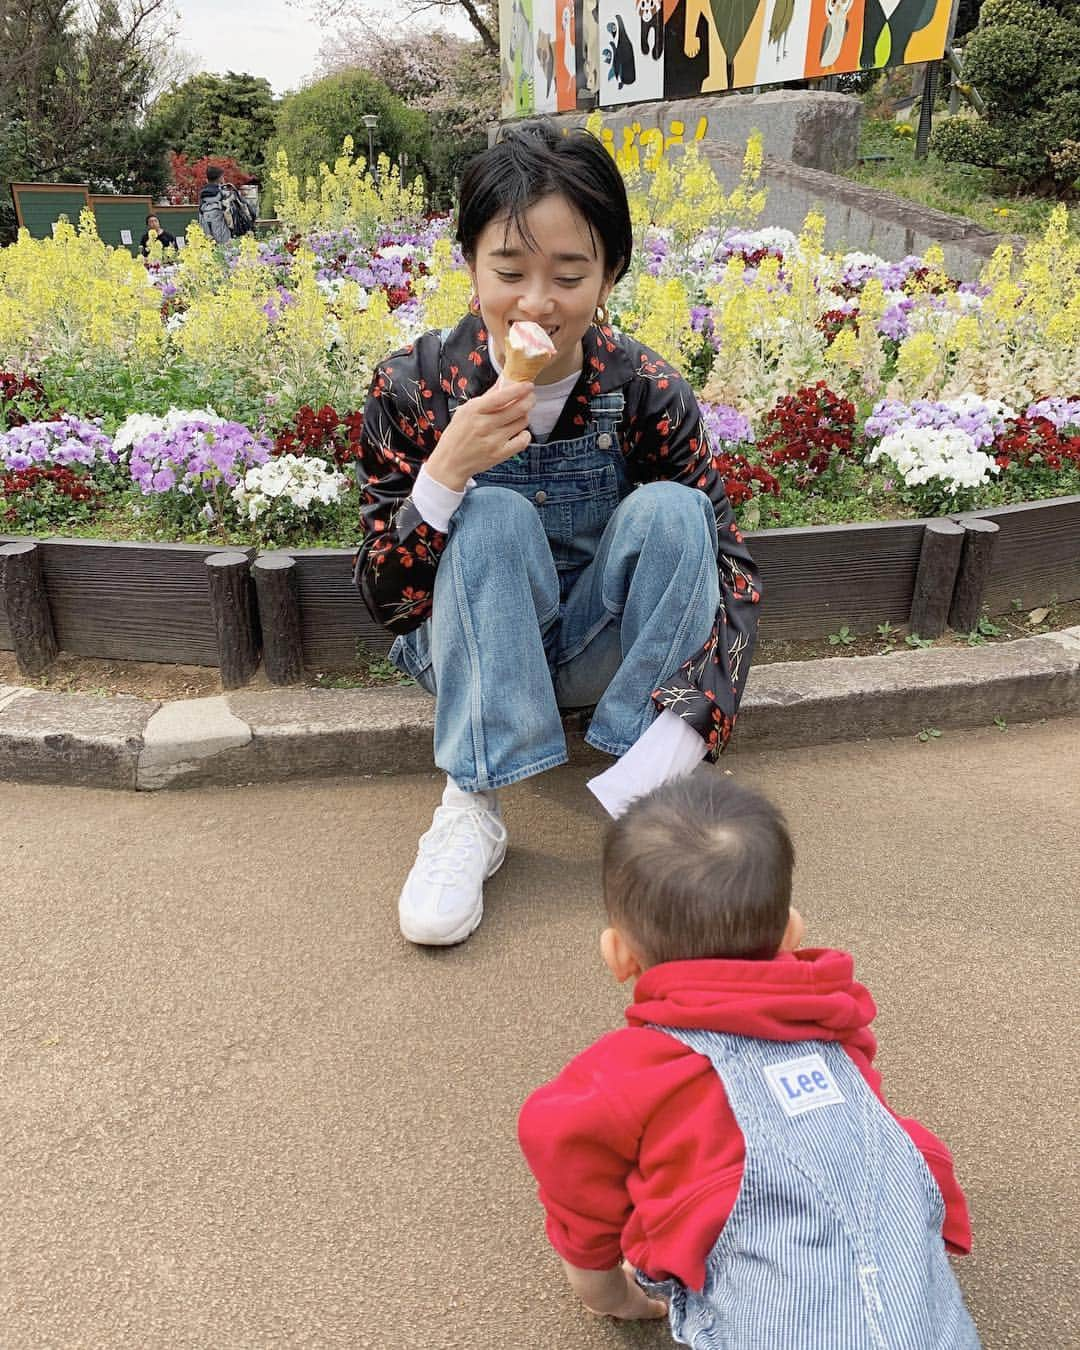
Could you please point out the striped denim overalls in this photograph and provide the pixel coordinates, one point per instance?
(834, 1242)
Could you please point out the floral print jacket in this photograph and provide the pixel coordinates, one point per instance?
(662, 437)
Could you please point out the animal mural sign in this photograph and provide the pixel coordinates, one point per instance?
(558, 55)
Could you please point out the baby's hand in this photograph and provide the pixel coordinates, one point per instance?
(631, 1303)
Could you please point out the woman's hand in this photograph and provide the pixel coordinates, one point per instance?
(483, 432)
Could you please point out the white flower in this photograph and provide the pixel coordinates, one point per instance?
(862, 260)
(140, 425)
(289, 480)
(946, 454)
(397, 250)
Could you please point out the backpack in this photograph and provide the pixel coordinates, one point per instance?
(239, 216)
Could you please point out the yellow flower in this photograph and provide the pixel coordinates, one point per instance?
(449, 288)
(72, 298)
(348, 194)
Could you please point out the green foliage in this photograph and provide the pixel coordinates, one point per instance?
(73, 92)
(312, 123)
(1022, 58)
(227, 115)
(958, 187)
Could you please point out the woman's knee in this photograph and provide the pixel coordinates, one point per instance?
(495, 533)
(487, 509)
(673, 508)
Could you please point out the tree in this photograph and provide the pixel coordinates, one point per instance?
(312, 123)
(482, 14)
(75, 84)
(188, 178)
(226, 115)
(1022, 58)
(453, 81)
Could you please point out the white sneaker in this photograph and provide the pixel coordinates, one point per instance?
(442, 900)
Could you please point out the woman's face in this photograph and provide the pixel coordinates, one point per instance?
(153, 223)
(556, 282)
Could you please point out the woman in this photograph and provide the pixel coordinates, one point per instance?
(546, 547)
(154, 231)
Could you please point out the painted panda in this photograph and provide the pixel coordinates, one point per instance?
(651, 14)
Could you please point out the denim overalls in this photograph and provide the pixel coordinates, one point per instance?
(834, 1242)
(574, 484)
(523, 625)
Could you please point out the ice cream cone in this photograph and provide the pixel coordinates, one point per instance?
(528, 351)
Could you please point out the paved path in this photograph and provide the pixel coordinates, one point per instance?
(238, 1111)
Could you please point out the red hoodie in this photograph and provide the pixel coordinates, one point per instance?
(634, 1145)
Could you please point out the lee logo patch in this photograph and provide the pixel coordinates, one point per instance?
(802, 1084)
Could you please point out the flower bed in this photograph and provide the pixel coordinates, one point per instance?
(216, 397)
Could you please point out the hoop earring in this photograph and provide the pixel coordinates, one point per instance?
(474, 305)
(603, 318)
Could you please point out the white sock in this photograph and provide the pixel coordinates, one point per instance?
(669, 749)
(457, 798)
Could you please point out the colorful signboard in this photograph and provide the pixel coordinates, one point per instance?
(558, 55)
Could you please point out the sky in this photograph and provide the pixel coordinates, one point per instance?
(256, 37)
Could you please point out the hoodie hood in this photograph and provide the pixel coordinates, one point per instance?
(809, 994)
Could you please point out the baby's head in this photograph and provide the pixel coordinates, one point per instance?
(698, 869)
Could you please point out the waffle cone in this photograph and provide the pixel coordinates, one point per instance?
(519, 367)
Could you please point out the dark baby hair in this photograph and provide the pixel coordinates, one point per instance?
(700, 868)
(535, 161)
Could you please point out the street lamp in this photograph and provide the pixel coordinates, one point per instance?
(371, 121)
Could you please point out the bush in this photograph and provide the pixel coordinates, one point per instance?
(313, 123)
(1022, 59)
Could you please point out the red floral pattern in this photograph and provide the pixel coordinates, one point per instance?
(662, 438)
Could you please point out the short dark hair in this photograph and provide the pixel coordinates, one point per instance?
(214, 172)
(153, 216)
(700, 868)
(535, 161)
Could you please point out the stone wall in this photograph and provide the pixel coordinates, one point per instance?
(861, 218)
(819, 130)
(807, 135)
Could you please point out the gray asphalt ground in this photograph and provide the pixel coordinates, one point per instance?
(239, 1111)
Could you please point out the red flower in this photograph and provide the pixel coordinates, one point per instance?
(811, 428)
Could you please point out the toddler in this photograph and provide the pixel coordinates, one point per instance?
(732, 1142)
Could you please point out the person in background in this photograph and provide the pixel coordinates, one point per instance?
(154, 231)
(223, 212)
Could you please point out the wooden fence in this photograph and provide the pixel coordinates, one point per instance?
(196, 605)
(38, 206)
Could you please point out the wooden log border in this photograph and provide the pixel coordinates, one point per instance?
(150, 602)
(30, 624)
(935, 581)
(129, 601)
(1036, 554)
(236, 618)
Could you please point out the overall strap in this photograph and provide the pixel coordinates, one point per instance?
(755, 1089)
(606, 411)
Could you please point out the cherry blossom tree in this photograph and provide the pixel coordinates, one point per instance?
(481, 14)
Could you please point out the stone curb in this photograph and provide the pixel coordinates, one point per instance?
(260, 737)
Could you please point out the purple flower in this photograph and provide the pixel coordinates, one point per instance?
(196, 457)
(1063, 412)
(981, 419)
(725, 425)
(64, 441)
